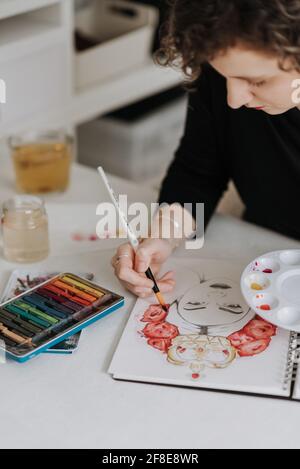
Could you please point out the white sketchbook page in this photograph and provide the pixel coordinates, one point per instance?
(263, 373)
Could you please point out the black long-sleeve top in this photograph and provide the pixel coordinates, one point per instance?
(259, 152)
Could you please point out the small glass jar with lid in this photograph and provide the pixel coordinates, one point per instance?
(25, 229)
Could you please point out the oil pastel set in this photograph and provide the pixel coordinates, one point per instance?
(51, 312)
(21, 281)
(210, 337)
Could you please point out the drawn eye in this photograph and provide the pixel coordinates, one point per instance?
(195, 303)
(191, 305)
(235, 306)
(231, 308)
(223, 286)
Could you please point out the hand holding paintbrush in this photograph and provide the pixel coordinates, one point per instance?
(130, 266)
(130, 257)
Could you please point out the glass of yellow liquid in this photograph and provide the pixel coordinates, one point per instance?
(25, 229)
(42, 161)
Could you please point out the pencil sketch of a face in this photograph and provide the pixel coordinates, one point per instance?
(216, 302)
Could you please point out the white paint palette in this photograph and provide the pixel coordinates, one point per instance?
(271, 287)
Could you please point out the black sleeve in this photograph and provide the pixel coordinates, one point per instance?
(198, 172)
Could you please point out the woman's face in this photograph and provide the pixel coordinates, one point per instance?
(255, 80)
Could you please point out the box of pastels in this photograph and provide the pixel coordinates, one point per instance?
(50, 312)
(271, 286)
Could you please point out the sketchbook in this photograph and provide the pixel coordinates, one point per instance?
(209, 339)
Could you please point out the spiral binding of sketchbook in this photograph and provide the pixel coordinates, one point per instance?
(292, 361)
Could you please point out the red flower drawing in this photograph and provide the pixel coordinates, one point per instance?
(154, 313)
(251, 340)
(161, 330)
(160, 344)
(254, 338)
(158, 332)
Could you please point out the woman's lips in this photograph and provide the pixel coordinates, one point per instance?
(257, 108)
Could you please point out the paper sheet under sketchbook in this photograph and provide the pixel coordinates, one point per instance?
(210, 338)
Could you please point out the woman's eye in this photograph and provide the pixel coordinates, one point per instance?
(259, 83)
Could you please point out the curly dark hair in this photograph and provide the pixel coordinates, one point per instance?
(196, 30)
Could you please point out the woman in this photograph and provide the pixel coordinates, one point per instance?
(242, 58)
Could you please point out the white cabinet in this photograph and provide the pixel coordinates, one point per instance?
(35, 84)
(37, 60)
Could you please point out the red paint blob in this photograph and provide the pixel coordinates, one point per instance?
(77, 236)
(268, 271)
(195, 375)
(265, 307)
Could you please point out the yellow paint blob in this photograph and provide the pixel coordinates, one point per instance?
(256, 286)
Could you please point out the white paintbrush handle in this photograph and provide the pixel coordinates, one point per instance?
(131, 235)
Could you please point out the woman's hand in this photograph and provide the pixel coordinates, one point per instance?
(130, 267)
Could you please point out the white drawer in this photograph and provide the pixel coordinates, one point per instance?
(35, 83)
(125, 30)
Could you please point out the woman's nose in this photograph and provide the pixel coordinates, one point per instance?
(238, 93)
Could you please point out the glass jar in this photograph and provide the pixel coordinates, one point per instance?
(41, 160)
(25, 229)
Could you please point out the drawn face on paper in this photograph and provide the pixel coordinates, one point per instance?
(214, 302)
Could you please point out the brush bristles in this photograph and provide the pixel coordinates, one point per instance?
(161, 301)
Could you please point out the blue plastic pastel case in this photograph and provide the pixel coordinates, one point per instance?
(115, 302)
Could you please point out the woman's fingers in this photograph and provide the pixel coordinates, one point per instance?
(170, 275)
(122, 263)
(166, 284)
(150, 250)
(126, 274)
(130, 269)
(124, 255)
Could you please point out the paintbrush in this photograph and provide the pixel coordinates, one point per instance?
(131, 236)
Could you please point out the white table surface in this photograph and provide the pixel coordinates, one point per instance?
(56, 401)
